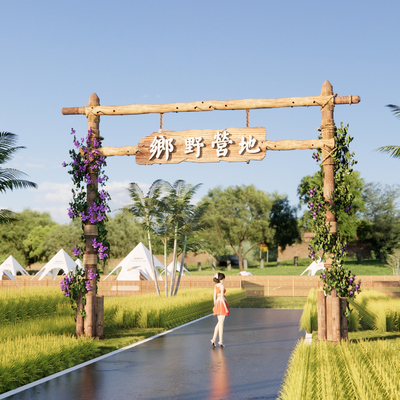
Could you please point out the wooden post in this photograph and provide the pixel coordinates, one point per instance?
(100, 317)
(199, 266)
(335, 317)
(90, 327)
(321, 315)
(90, 230)
(79, 317)
(328, 302)
(328, 132)
(344, 323)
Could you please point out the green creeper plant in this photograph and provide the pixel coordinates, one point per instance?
(326, 243)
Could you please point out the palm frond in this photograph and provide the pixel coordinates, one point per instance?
(395, 109)
(136, 193)
(6, 216)
(9, 180)
(393, 151)
(155, 188)
(7, 146)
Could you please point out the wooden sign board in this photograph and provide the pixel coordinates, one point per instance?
(213, 145)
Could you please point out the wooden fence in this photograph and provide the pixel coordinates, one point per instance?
(270, 286)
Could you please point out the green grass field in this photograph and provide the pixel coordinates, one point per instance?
(367, 267)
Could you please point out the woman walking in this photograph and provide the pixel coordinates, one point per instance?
(221, 309)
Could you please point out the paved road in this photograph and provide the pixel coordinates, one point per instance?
(182, 365)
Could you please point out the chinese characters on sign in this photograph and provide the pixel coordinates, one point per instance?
(233, 144)
(194, 142)
(159, 145)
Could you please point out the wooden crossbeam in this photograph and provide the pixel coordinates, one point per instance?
(267, 145)
(244, 104)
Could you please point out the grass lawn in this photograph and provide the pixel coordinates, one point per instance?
(272, 302)
(117, 338)
(367, 267)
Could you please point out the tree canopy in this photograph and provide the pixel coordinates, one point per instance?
(347, 225)
(283, 220)
(381, 227)
(236, 215)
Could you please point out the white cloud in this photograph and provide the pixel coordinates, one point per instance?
(35, 166)
(54, 198)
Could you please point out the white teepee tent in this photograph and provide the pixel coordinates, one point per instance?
(13, 266)
(136, 264)
(314, 267)
(78, 262)
(178, 267)
(61, 261)
(5, 275)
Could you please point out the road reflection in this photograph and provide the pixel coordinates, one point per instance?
(220, 382)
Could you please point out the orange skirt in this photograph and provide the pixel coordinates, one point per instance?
(219, 308)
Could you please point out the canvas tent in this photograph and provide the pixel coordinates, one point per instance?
(78, 262)
(314, 267)
(245, 273)
(61, 261)
(178, 268)
(6, 276)
(13, 266)
(137, 265)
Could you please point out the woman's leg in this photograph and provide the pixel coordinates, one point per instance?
(221, 320)
(216, 331)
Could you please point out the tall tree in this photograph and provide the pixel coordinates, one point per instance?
(347, 225)
(10, 178)
(124, 233)
(146, 208)
(192, 224)
(382, 226)
(283, 220)
(392, 150)
(13, 235)
(177, 203)
(239, 214)
(64, 237)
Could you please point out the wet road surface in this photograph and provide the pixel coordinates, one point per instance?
(182, 364)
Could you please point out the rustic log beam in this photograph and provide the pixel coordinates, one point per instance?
(212, 105)
(267, 145)
(297, 144)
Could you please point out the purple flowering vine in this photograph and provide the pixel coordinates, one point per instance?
(76, 283)
(86, 165)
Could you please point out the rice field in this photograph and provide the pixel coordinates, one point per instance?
(371, 310)
(37, 327)
(365, 370)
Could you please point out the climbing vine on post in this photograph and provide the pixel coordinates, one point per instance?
(87, 171)
(326, 243)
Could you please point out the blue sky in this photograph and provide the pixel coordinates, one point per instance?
(56, 54)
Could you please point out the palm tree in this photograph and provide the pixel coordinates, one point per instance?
(393, 151)
(146, 208)
(177, 200)
(192, 222)
(163, 229)
(10, 177)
